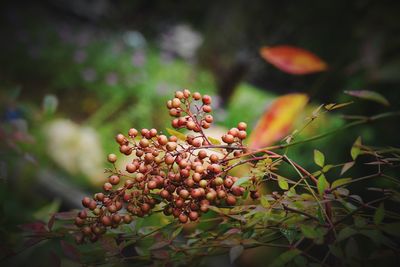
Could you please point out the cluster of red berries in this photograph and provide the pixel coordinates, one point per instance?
(180, 177)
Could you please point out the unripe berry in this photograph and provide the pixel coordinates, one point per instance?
(169, 159)
(218, 181)
(169, 104)
(207, 108)
(132, 132)
(107, 186)
(153, 132)
(183, 218)
(124, 149)
(79, 221)
(145, 207)
(176, 103)
(112, 158)
(175, 123)
(99, 196)
(116, 218)
(184, 194)
(171, 146)
(148, 158)
(228, 138)
(144, 132)
(205, 125)
(128, 184)
(196, 96)
(211, 196)
(162, 140)
(230, 200)
(173, 138)
(242, 135)
(127, 218)
(203, 183)
(193, 215)
(114, 179)
(87, 230)
(131, 168)
(234, 132)
(106, 220)
(242, 126)
(214, 158)
(228, 183)
(152, 184)
(179, 94)
(196, 177)
(202, 154)
(186, 93)
(221, 194)
(215, 168)
(174, 112)
(190, 125)
(144, 143)
(86, 201)
(120, 138)
(164, 193)
(206, 99)
(199, 169)
(196, 142)
(112, 208)
(209, 118)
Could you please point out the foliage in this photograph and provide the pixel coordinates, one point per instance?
(311, 216)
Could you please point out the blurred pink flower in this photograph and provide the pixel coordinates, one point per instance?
(89, 74)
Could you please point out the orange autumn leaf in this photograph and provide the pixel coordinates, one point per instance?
(277, 120)
(293, 60)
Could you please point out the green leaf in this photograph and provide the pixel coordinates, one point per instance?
(326, 168)
(379, 214)
(235, 253)
(45, 212)
(345, 233)
(356, 148)
(285, 258)
(340, 182)
(369, 95)
(241, 181)
(336, 106)
(213, 140)
(309, 231)
(322, 184)
(319, 158)
(283, 184)
(346, 167)
(264, 202)
(179, 135)
(290, 233)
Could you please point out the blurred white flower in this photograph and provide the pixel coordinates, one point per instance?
(75, 148)
(182, 40)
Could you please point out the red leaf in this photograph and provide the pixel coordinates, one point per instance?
(35, 227)
(277, 120)
(70, 251)
(293, 60)
(50, 223)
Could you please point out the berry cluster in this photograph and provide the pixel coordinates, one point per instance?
(180, 177)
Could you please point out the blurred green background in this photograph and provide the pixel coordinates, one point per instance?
(75, 73)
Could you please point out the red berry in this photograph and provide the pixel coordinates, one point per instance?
(206, 99)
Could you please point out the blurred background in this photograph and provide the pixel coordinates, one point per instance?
(75, 73)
